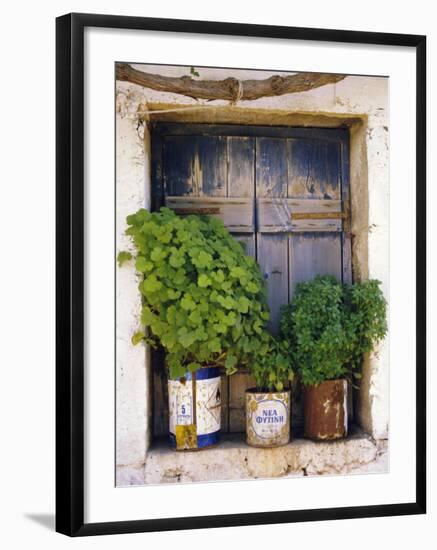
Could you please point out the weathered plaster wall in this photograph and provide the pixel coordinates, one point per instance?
(133, 397)
(358, 102)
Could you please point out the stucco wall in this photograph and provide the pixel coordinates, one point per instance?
(358, 102)
(133, 396)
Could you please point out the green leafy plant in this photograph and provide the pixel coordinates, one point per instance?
(329, 326)
(271, 367)
(365, 312)
(204, 298)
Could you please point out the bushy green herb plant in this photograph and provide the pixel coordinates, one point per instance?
(271, 367)
(204, 298)
(329, 326)
(365, 319)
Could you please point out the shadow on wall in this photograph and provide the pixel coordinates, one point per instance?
(46, 520)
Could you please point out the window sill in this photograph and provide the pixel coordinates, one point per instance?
(233, 459)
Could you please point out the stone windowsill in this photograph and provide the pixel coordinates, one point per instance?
(233, 459)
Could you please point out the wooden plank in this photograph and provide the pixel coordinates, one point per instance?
(299, 206)
(157, 183)
(273, 260)
(272, 249)
(314, 169)
(271, 167)
(284, 215)
(300, 226)
(248, 242)
(236, 213)
(188, 129)
(347, 242)
(195, 165)
(241, 158)
(210, 165)
(178, 158)
(345, 195)
(313, 254)
(241, 183)
(239, 382)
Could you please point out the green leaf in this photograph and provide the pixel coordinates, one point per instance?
(185, 338)
(243, 304)
(200, 334)
(214, 345)
(158, 254)
(203, 281)
(193, 366)
(230, 364)
(137, 338)
(187, 302)
(203, 260)
(195, 318)
(123, 257)
(237, 272)
(220, 328)
(143, 265)
(174, 294)
(147, 317)
(218, 276)
(252, 288)
(176, 368)
(177, 260)
(151, 284)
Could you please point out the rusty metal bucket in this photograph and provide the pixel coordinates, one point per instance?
(267, 418)
(194, 409)
(325, 410)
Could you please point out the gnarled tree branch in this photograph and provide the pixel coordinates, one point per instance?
(229, 89)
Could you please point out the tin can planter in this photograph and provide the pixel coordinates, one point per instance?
(195, 409)
(325, 410)
(267, 418)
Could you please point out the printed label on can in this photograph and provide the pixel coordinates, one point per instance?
(208, 401)
(269, 418)
(180, 404)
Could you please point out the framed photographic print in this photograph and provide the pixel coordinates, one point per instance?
(240, 274)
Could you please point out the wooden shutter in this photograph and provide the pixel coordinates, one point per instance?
(284, 192)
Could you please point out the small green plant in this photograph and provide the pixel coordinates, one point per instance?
(204, 298)
(329, 326)
(365, 311)
(271, 367)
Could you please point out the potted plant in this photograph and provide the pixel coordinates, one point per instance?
(204, 304)
(268, 404)
(329, 326)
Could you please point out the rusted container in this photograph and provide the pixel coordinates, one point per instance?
(267, 418)
(195, 409)
(325, 410)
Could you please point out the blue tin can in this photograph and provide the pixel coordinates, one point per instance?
(195, 409)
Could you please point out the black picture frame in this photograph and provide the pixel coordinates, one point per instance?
(70, 273)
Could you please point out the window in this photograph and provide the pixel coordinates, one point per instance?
(283, 192)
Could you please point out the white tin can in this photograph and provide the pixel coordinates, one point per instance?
(267, 418)
(195, 409)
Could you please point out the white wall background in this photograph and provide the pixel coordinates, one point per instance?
(27, 172)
